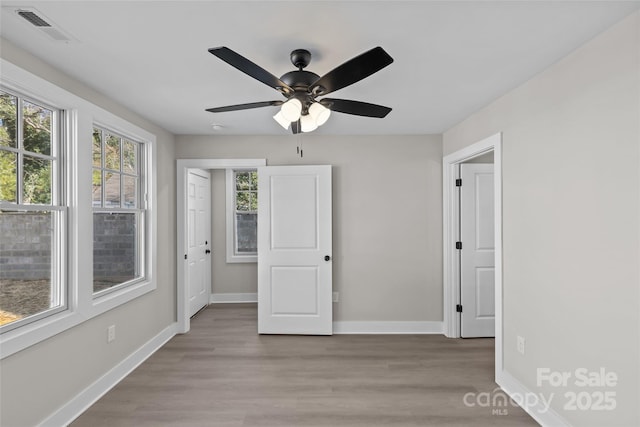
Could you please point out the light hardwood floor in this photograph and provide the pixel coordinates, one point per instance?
(224, 374)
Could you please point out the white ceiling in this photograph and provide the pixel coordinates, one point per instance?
(451, 57)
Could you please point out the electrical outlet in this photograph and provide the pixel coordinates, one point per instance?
(336, 296)
(111, 333)
(520, 344)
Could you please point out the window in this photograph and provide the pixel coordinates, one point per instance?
(32, 212)
(46, 161)
(242, 215)
(118, 211)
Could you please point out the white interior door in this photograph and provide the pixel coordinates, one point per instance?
(294, 250)
(199, 239)
(477, 268)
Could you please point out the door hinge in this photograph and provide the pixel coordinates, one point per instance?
(459, 308)
(185, 256)
(459, 182)
(458, 245)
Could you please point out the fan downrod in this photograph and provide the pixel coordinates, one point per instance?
(300, 58)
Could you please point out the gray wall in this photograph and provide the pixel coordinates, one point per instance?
(40, 379)
(571, 218)
(226, 277)
(387, 216)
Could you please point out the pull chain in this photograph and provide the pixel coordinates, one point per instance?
(299, 147)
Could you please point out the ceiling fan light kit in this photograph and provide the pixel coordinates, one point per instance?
(320, 113)
(302, 111)
(317, 115)
(279, 117)
(291, 110)
(307, 123)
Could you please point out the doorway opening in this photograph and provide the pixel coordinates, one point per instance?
(182, 271)
(451, 224)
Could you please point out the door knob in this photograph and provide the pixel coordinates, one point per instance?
(327, 258)
(207, 251)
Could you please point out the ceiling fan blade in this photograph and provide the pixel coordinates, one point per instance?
(243, 64)
(244, 106)
(352, 71)
(296, 128)
(356, 108)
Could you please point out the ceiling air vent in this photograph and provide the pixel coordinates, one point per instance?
(42, 23)
(33, 18)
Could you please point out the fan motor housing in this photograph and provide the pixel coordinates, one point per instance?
(300, 80)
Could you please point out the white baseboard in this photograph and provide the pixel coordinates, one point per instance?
(232, 298)
(516, 390)
(76, 406)
(347, 327)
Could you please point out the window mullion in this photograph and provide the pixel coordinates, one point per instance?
(29, 208)
(140, 261)
(142, 192)
(56, 187)
(121, 178)
(103, 145)
(20, 146)
(56, 282)
(38, 155)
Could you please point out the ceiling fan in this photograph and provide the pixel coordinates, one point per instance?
(301, 109)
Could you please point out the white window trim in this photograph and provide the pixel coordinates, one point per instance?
(80, 116)
(58, 206)
(232, 257)
(141, 209)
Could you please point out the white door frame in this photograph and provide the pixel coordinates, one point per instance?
(451, 267)
(182, 170)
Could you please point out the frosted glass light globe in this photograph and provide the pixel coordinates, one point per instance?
(320, 113)
(291, 109)
(307, 123)
(281, 120)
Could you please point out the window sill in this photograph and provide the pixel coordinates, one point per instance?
(121, 296)
(25, 336)
(236, 259)
(18, 339)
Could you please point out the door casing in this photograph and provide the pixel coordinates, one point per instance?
(182, 170)
(451, 266)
